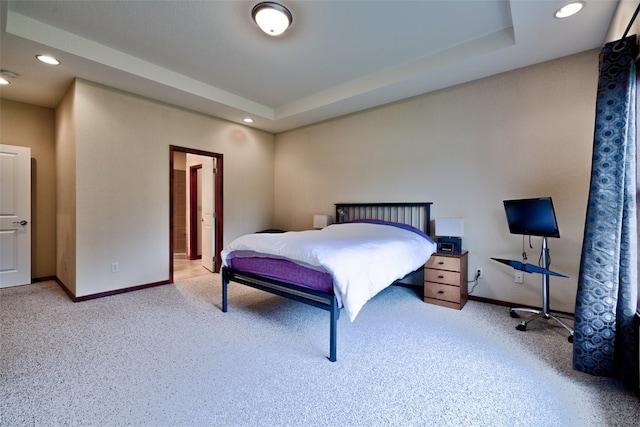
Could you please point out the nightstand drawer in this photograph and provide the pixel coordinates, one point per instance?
(443, 262)
(442, 292)
(442, 276)
(445, 279)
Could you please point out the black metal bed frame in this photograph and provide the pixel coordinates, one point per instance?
(417, 214)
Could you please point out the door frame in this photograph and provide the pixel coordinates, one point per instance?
(218, 201)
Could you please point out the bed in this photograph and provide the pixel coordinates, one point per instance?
(342, 266)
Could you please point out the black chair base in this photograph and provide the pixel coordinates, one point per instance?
(538, 314)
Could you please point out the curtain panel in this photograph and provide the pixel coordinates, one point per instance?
(605, 343)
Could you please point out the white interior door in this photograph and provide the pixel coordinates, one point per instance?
(208, 213)
(15, 216)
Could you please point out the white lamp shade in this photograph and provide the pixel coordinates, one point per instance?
(321, 221)
(450, 227)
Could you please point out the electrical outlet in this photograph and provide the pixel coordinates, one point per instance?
(115, 267)
(519, 277)
(478, 273)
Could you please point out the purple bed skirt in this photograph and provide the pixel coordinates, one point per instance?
(287, 271)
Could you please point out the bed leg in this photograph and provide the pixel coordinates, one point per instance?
(225, 283)
(335, 313)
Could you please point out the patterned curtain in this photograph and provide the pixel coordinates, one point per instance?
(605, 343)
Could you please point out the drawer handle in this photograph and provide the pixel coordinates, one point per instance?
(440, 262)
(440, 277)
(440, 292)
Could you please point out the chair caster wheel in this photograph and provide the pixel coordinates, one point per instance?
(514, 314)
(521, 327)
(570, 338)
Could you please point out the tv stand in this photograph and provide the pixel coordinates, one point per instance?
(545, 312)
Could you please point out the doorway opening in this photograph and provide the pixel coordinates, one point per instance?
(195, 212)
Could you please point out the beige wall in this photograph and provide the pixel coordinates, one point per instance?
(66, 190)
(525, 133)
(30, 126)
(122, 183)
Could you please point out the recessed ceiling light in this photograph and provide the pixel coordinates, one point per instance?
(248, 120)
(48, 59)
(569, 9)
(272, 18)
(5, 74)
(9, 73)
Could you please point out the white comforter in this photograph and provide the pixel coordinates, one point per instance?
(363, 258)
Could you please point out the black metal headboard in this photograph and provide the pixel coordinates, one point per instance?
(416, 214)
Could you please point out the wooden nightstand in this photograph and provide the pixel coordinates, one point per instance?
(445, 279)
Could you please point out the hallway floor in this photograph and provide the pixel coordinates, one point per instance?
(185, 269)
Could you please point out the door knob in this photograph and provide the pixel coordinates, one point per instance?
(23, 222)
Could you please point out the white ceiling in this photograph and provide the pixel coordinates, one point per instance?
(338, 57)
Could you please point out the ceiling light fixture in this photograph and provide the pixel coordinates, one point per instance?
(48, 59)
(272, 18)
(569, 9)
(7, 73)
(247, 120)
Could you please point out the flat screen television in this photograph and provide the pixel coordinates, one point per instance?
(532, 217)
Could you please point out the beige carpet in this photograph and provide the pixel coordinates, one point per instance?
(168, 356)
